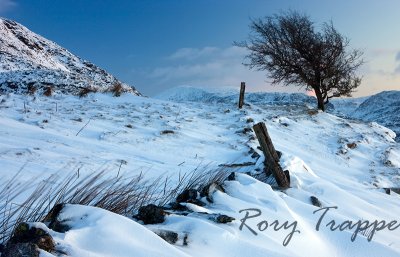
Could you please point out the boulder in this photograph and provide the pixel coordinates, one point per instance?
(151, 214)
(24, 233)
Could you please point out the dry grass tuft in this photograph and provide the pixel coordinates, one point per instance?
(121, 195)
(48, 91)
(117, 89)
(85, 91)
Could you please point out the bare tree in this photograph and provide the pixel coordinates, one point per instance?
(294, 53)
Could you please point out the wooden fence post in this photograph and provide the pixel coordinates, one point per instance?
(271, 156)
(241, 96)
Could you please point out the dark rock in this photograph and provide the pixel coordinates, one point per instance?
(21, 250)
(187, 196)
(221, 218)
(167, 131)
(190, 196)
(52, 218)
(247, 130)
(177, 207)
(315, 201)
(169, 236)
(232, 176)
(255, 155)
(392, 189)
(352, 145)
(151, 214)
(24, 233)
(186, 240)
(209, 190)
(249, 120)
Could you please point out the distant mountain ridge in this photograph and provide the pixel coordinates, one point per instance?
(230, 95)
(29, 60)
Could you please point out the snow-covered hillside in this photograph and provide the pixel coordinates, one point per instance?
(29, 60)
(383, 108)
(343, 163)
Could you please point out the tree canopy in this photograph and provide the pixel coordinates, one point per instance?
(294, 53)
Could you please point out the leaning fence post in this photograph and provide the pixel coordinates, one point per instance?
(271, 156)
(241, 96)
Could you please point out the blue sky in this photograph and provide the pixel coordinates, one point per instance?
(155, 45)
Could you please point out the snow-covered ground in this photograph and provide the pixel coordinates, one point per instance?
(343, 163)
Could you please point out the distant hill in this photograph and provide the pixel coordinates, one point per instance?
(383, 108)
(28, 60)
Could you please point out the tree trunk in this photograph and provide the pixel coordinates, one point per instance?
(320, 99)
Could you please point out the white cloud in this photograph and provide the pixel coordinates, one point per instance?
(6, 5)
(192, 53)
(210, 67)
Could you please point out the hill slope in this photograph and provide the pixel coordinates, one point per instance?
(29, 60)
(344, 163)
(383, 108)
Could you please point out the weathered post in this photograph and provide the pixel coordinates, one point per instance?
(271, 156)
(241, 96)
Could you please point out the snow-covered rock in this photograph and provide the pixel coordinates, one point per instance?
(27, 59)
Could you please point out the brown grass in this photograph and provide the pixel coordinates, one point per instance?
(121, 195)
(85, 91)
(117, 89)
(48, 91)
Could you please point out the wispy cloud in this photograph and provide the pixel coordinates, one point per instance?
(210, 67)
(6, 5)
(397, 70)
(192, 53)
